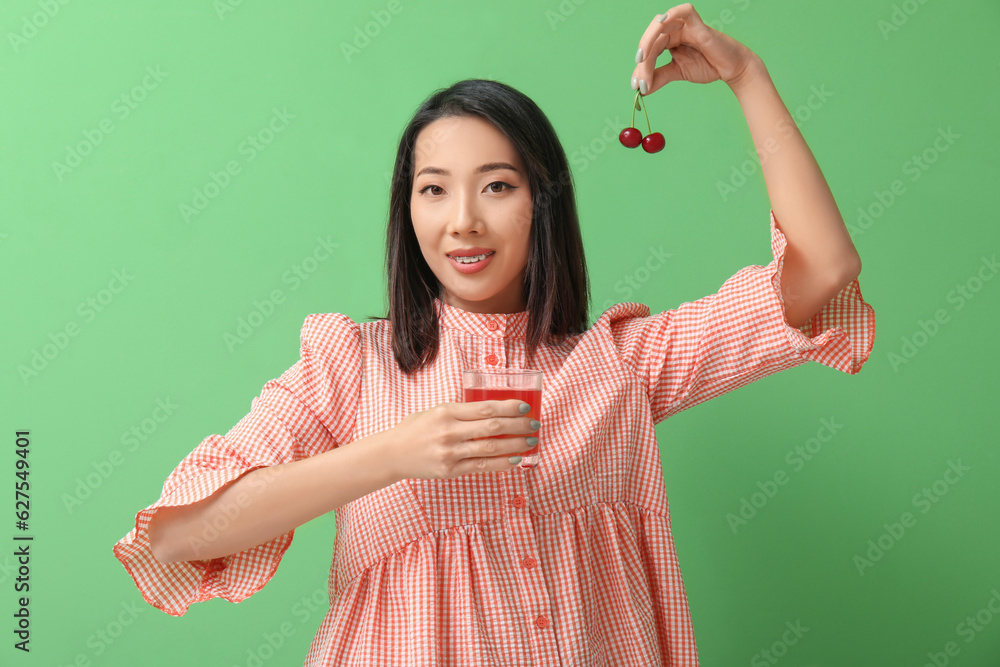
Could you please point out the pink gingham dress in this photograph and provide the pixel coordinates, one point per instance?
(569, 563)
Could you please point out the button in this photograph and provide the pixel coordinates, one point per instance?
(518, 502)
(492, 325)
(529, 563)
(542, 622)
(491, 359)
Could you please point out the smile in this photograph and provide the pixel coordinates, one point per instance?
(472, 259)
(472, 264)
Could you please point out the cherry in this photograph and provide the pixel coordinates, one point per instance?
(630, 137)
(653, 143)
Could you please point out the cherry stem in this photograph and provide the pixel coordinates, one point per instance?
(647, 117)
(636, 101)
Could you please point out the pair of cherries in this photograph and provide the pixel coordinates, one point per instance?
(631, 137)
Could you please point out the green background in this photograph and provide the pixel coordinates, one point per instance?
(892, 74)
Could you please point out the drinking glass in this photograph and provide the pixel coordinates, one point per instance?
(502, 384)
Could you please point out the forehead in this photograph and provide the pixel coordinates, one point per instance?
(462, 142)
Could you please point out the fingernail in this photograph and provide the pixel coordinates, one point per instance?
(524, 408)
(535, 424)
(662, 18)
(514, 460)
(635, 83)
(532, 441)
(642, 86)
(638, 56)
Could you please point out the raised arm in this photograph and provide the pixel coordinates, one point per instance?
(820, 259)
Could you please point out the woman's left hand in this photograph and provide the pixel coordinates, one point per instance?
(700, 53)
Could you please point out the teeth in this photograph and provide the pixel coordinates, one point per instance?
(472, 259)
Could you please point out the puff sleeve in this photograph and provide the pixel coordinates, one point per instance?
(309, 409)
(708, 347)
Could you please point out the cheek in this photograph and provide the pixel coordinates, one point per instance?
(521, 246)
(421, 227)
(426, 223)
(521, 219)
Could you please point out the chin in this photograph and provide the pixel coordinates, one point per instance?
(473, 297)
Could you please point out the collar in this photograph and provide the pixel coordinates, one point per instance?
(491, 325)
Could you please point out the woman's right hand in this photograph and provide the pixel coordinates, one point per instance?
(441, 442)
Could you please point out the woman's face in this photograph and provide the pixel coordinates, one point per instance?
(470, 190)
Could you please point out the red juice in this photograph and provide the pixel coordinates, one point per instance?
(532, 397)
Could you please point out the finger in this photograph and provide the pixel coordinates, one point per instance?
(657, 38)
(473, 410)
(480, 420)
(493, 427)
(684, 22)
(645, 71)
(671, 71)
(691, 18)
(481, 465)
(661, 23)
(494, 447)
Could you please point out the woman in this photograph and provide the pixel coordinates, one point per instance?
(445, 552)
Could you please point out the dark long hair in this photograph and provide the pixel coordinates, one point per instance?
(556, 288)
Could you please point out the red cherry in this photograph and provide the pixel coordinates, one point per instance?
(653, 143)
(630, 137)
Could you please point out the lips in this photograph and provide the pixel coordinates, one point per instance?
(477, 258)
(472, 267)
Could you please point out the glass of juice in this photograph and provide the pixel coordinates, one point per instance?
(502, 384)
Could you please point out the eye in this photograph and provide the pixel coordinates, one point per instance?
(428, 187)
(506, 185)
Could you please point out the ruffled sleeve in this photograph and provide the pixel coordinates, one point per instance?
(310, 409)
(706, 348)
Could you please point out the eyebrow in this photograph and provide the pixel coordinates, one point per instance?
(482, 169)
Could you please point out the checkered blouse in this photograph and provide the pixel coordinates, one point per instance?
(571, 562)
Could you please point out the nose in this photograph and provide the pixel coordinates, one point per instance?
(465, 216)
